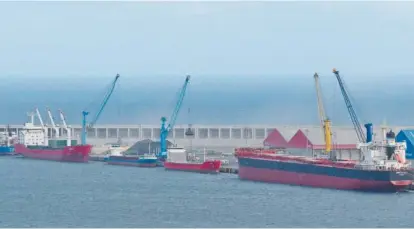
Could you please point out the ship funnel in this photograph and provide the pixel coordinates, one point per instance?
(369, 128)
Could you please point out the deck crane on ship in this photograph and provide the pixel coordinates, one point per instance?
(52, 121)
(325, 122)
(165, 129)
(85, 113)
(67, 128)
(42, 124)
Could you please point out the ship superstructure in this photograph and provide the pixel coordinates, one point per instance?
(31, 134)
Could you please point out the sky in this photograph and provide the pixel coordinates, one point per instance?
(365, 40)
(252, 62)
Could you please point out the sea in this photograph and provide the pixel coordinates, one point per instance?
(221, 100)
(37, 193)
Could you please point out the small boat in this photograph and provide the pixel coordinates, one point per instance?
(7, 139)
(114, 150)
(146, 160)
(177, 159)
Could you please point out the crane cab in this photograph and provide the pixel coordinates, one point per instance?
(189, 132)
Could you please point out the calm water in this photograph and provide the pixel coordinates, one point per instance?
(50, 194)
(211, 100)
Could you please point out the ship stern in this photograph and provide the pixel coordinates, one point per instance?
(401, 180)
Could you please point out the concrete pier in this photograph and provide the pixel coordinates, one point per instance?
(211, 136)
(229, 169)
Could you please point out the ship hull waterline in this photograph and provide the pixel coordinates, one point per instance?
(131, 161)
(283, 173)
(78, 153)
(212, 167)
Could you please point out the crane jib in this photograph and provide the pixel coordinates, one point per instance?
(165, 129)
(354, 118)
(102, 107)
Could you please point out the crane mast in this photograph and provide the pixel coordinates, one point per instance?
(42, 124)
(63, 119)
(325, 122)
(165, 129)
(52, 121)
(357, 126)
(40, 118)
(98, 114)
(67, 128)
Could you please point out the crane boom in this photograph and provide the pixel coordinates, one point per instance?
(325, 122)
(68, 130)
(351, 111)
(45, 130)
(321, 109)
(98, 114)
(40, 117)
(166, 129)
(52, 121)
(63, 119)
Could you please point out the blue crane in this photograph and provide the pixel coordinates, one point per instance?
(165, 129)
(102, 106)
(357, 126)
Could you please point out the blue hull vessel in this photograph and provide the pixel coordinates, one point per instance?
(138, 161)
(6, 150)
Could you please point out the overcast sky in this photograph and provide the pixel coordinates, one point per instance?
(138, 39)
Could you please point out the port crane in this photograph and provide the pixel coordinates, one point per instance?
(165, 129)
(67, 128)
(52, 121)
(85, 113)
(354, 118)
(325, 122)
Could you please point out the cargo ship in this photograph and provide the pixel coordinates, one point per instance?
(34, 143)
(146, 160)
(382, 168)
(177, 159)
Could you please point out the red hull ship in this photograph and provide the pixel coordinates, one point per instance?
(33, 143)
(269, 166)
(78, 153)
(204, 167)
(178, 159)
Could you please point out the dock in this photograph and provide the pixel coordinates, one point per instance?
(229, 169)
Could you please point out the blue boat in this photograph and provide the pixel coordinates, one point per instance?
(7, 139)
(146, 160)
(6, 150)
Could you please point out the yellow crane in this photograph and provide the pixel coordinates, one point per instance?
(325, 122)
